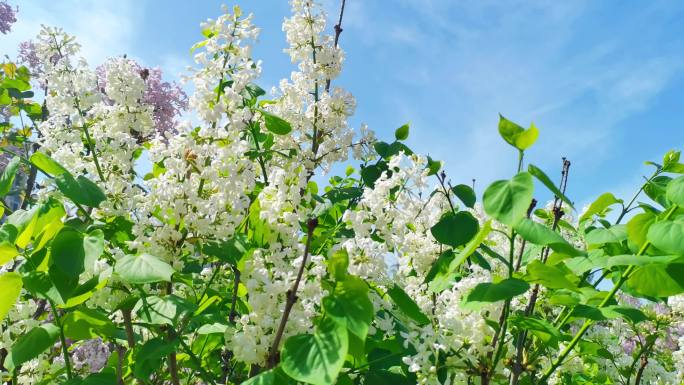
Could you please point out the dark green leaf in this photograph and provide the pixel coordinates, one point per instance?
(402, 132)
(149, 356)
(28, 346)
(80, 190)
(7, 177)
(275, 124)
(455, 229)
(407, 305)
(466, 194)
(488, 292)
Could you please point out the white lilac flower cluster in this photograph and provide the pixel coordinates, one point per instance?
(204, 187)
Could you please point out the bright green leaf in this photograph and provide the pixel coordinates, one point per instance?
(144, 268)
(10, 287)
(407, 305)
(508, 200)
(349, 306)
(546, 181)
(316, 358)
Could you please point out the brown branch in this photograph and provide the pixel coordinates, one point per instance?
(640, 373)
(338, 32)
(273, 356)
(558, 213)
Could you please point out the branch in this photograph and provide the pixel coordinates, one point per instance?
(338, 32)
(273, 356)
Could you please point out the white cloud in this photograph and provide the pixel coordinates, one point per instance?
(457, 64)
(103, 28)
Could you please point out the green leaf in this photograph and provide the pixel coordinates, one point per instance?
(442, 279)
(87, 323)
(441, 266)
(517, 136)
(10, 287)
(350, 307)
(144, 268)
(638, 226)
(385, 377)
(106, 377)
(231, 250)
(93, 247)
(539, 327)
(628, 313)
(657, 280)
(370, 174)
(80, 190)
(407, 305)
(316, 359)
(488, 292)
(275, 124)
(68, 252)
(546, 181)
(433, 166)
(338, 264)
(455, 229)
(28, 346)
(402, 132)
(274, 376)
(656, 189)
(675, 191)
(47, 164)
(7, 177)
(508, 200)
(668, 236)
(149, 356)
(551, 276)
(466, 194)
(600, 205)
(614, 234)
(539, 234)
(167, 310)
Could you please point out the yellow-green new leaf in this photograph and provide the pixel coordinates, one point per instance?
(10, 287)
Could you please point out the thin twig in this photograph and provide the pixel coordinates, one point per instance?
(273, 356)
(338, 32)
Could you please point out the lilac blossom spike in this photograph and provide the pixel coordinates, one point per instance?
(7, 17)
(168, 99)
(29, 57)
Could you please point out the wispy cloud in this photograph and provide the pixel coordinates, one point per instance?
(578, 69)
(103, 28)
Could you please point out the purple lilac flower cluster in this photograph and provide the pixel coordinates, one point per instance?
(29, 57)
(7, 17)
(91, 355)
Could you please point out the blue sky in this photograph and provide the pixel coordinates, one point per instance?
(603, 80)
